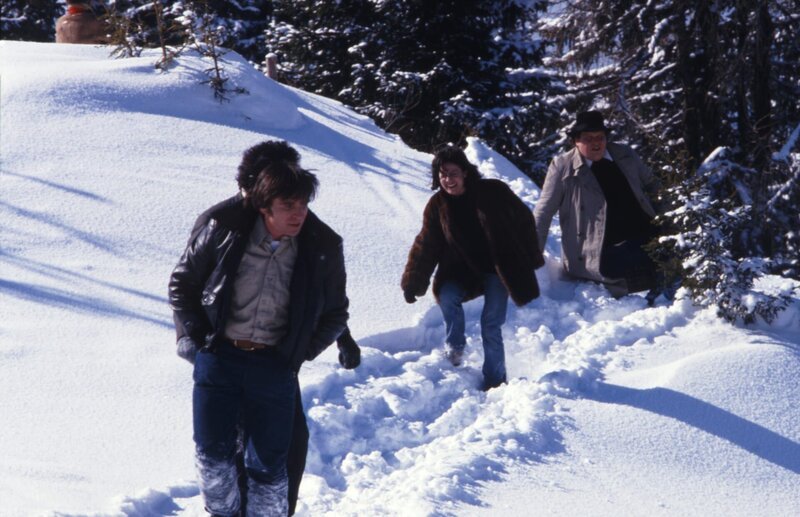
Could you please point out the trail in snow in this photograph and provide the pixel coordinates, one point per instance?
(408, 434)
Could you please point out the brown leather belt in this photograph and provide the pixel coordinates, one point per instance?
(247, 345)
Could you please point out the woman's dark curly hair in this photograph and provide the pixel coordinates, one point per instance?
(261, 156)
(454, 155)
(282, 180)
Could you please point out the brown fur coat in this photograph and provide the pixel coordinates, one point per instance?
(509, 228)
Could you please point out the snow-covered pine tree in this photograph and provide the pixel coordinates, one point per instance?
(649, 65)
(682, 78)
(778, 188)
(173, 26)
(241, 25)
(315, 41)
(432, 72)
(785, 68)
(782, 209)
(711, 218)
(166, 30)
(123, 33)
(29, 20)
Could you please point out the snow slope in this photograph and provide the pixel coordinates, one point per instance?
(612, 407)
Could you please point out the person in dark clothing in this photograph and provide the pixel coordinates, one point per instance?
(481, 240)
(255, 160)
(601, 191)
(248, 342)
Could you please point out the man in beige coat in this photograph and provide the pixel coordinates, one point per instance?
(598, 190)
(80, 25)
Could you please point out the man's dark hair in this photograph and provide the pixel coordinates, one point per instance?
(282, 180)
(259, 157)
(454, 155)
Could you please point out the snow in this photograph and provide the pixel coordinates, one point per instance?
(612, 408)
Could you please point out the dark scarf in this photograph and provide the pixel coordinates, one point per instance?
(467, 228)
(625, 219)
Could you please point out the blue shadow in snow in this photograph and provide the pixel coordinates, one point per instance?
(66, 300)
(47, 219)
(60, 273)
(58, 186)
(750, 436)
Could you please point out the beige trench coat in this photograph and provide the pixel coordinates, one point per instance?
(571, 189)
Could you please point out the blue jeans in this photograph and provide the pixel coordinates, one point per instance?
(495, 305)
(256, 389)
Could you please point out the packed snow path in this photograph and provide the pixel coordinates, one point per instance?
(408, 434)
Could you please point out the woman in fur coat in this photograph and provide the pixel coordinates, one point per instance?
(481, 240)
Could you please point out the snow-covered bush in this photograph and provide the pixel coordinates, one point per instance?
(723, 239)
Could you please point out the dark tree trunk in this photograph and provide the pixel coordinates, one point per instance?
(762, 94)
(762, 129)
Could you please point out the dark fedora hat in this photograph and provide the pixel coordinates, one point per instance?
(588, 121)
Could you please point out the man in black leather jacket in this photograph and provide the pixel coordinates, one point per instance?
(253, 161)
(206, 294)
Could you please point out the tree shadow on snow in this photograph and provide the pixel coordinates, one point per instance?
(63, 187)
(72, 301)
(48, 220)
(748, 435)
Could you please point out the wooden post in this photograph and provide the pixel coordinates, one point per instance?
(272, 66)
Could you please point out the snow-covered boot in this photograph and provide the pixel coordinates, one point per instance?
(454, 355)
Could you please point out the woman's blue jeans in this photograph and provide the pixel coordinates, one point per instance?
(495, 305)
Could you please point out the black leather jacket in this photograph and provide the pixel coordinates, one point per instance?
(200, 287)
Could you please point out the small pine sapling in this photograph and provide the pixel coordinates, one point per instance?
(166, 32)
(207, 39)
(123, 29)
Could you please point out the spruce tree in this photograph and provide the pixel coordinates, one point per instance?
(29, 20)
(432, 72)
(315, 40)
(242, 25)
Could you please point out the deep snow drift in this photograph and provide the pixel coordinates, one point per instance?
(613, 408)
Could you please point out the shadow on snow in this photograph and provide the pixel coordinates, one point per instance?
(750, 436)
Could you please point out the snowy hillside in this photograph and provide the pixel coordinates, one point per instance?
(612, 408)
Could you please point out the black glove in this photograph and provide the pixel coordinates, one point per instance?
(409, 296)
(187, 348)
(349, 352)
